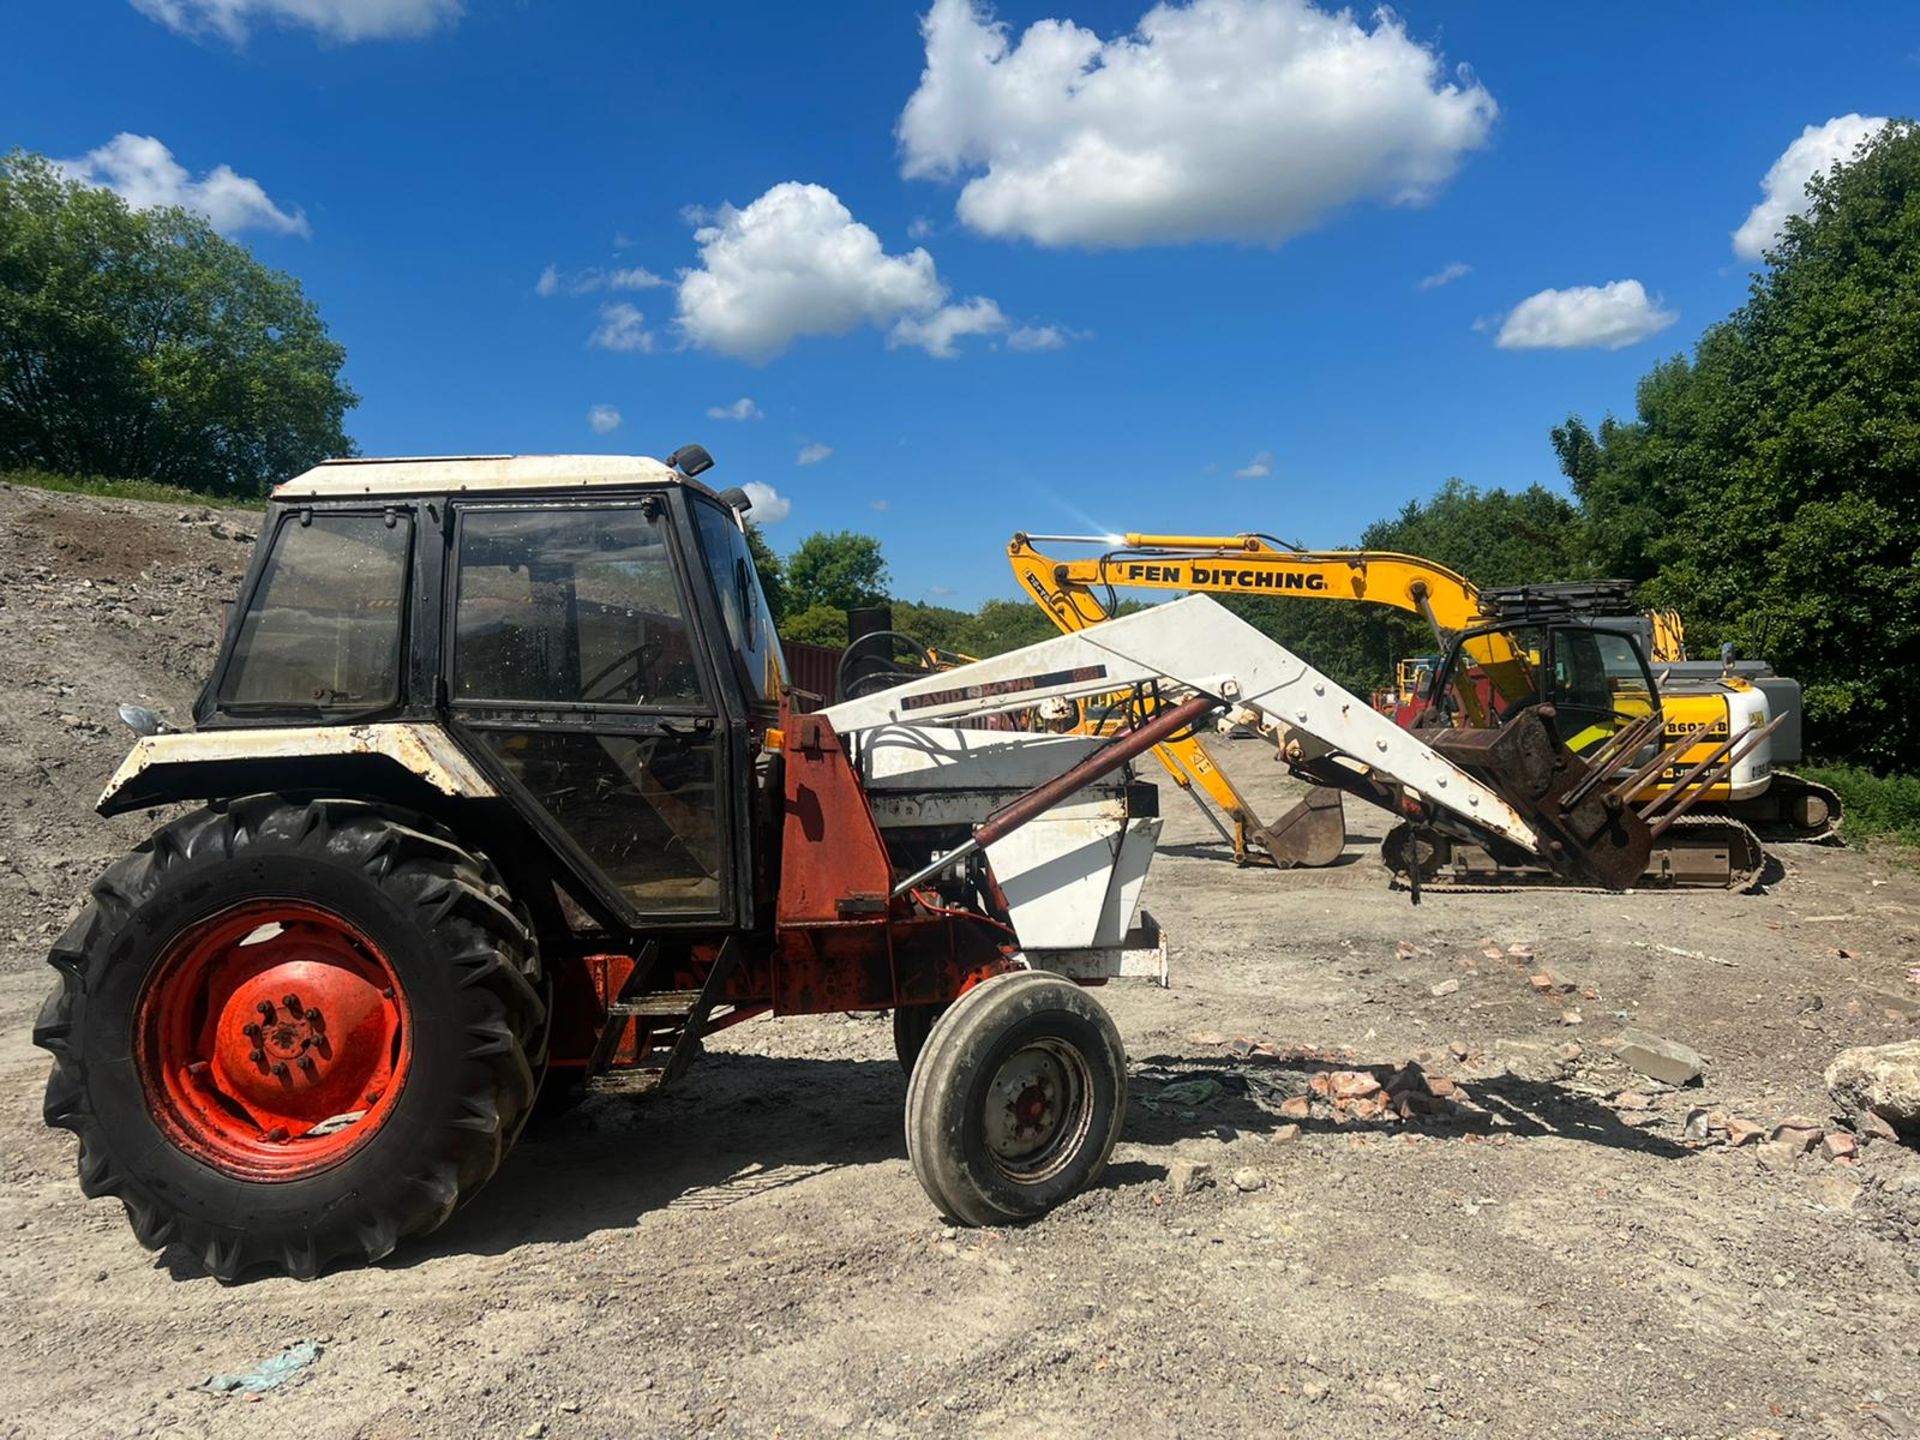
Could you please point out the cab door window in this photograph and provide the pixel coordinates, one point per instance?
(743, 605)
(574, 669)
(571, 607)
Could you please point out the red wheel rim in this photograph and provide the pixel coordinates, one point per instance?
(272, 1039)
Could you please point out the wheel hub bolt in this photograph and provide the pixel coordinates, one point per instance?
(292, 1002)
(315, 1021)
(250, 1030)
(265, 1007)
(257, 1056)
(279, 1069)
(306, 1064)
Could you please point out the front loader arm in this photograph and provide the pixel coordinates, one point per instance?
(1198, 645)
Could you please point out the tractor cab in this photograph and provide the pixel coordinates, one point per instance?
(591, 635)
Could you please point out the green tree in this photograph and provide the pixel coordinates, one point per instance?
(842, 568)
(141, 344)
(1770, 487)
(815, 625)
(773, 574)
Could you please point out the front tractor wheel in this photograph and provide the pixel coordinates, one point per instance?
(290, 1034)
(1017, 1099)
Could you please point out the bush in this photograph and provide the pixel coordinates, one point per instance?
(1874, 806)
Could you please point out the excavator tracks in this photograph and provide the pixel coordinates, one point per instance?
(1793, 809)
(1697, 852)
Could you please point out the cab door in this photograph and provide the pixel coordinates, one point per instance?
(1598, 683)
(576, 673)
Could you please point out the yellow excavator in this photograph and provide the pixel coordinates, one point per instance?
(1502, 649)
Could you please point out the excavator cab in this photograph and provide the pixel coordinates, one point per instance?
(1596, 680)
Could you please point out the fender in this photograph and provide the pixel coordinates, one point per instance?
(161, 769)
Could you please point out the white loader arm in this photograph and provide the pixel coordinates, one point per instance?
(1198, 644)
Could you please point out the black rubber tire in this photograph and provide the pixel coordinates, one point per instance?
(948, 1095)
(467, 962)
(912, 1024)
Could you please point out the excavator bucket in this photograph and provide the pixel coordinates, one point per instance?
(1312, 833)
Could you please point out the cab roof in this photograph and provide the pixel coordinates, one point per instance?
(445, 474)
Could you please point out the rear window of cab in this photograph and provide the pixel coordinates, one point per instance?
(324, 627)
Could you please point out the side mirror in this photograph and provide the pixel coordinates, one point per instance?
(142, 721)
(736, 499)
(690, 460)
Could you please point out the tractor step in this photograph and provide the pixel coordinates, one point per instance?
(664, 1028)
(675, 1003)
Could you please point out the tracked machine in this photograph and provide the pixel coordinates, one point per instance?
(1578, 648)
(497, 793)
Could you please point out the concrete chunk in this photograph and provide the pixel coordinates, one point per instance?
(1189, 1177)
(1880, 1080)
(1658, 1058)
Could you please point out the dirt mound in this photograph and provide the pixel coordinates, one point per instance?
(100, 601)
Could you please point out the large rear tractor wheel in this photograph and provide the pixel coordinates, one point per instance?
(911, 1026)
(1017, 1099)
(290, 1034)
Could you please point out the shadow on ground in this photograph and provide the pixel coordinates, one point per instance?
(746, 1125)
(1250, 1093)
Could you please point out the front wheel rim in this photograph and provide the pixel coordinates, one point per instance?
(1039, 1111)
(272, 1040)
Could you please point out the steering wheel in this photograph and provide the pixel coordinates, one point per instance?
(639, 659)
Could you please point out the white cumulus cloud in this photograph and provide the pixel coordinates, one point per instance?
(1445, 275)
(937, 332)
(1258, 468)
(142, 171)
(770, 507)
(603, 419)
(741, 409)
(1039, 337)
(812, 454)
(1584, 317)
(1217, 120)
(622, 327)
(795, 262)
(1784, 186)
(335, 19)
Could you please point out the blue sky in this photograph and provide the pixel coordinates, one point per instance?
(1203, 258)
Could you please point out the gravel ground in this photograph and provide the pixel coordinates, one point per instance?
(750, 1254)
